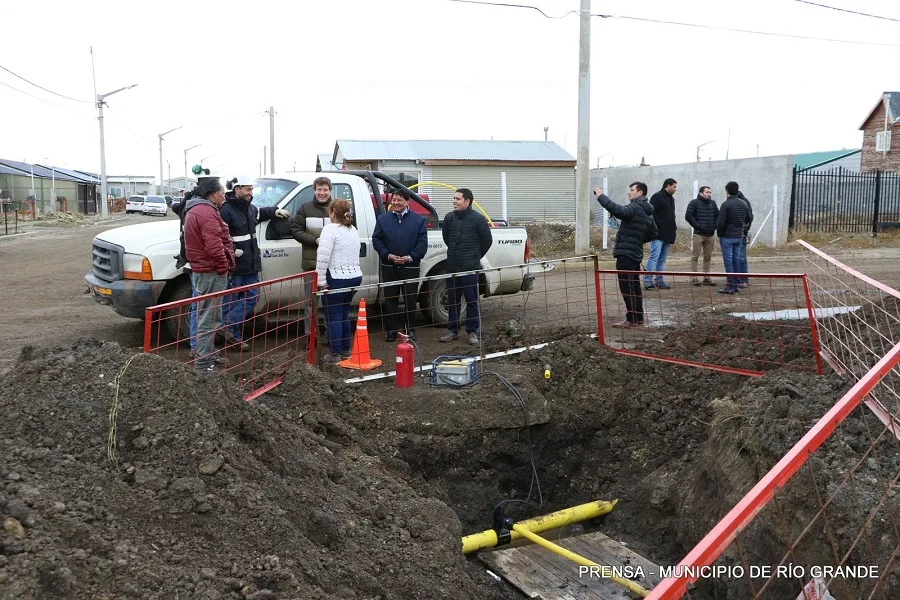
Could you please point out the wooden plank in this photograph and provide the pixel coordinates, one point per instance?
(540, 573)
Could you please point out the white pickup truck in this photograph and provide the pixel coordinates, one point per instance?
(134, 266)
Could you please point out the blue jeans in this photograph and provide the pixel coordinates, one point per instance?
(209, 315)
(337, 313)
(237, 307)
(743, 267)
(193, 319)
(731, 254)
(457, 288)
(659, 252)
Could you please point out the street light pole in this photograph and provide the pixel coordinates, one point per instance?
(700, 146)
(104, 188)
(185, 162)
(161, 136)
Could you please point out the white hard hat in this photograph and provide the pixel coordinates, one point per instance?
(203, 173)
(242, 179)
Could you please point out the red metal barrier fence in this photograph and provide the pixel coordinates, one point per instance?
(826, 518)
(769, 323)
(257, 350)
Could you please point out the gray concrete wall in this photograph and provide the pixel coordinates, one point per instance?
(757, 178)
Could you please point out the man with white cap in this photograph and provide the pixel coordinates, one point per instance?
(242, 218)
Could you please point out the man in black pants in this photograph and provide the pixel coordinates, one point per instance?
(638, 227)
(401, 241)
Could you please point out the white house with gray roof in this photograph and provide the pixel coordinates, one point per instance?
(539, 176)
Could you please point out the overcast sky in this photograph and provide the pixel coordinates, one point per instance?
(433, 69)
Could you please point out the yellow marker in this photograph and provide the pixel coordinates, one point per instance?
(546, 371)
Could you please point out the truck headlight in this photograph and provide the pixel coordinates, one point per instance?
(136, 266)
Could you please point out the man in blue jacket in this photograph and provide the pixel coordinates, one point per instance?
(401, 241)
(242, 217)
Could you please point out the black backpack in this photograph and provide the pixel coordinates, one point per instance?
(182, 210)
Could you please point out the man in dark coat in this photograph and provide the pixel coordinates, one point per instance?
(401, 241)
(242, 217)
(211, 254)
(663, 204)
(638, 227)
(745, 242)
(733, 217)
(310, 220)
(702, 214)
(468, 238)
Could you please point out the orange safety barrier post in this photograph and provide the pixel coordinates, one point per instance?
(360, 358)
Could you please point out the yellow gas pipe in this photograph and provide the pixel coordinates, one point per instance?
(566, 516)
(577, 559)
(450, 187)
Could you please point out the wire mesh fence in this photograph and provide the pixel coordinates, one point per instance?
(767, 323)
(824, 522)
(253, 332)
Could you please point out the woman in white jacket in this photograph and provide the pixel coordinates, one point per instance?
(337, 266)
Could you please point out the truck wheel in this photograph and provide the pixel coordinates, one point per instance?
(177, 322)
(435, 301)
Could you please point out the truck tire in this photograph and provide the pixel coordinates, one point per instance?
(435, 302)
(177, 322)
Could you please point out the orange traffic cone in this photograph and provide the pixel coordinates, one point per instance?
(361, 360)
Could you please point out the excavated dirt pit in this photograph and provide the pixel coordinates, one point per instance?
(324, 490)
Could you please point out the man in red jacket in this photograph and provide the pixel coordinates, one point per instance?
(208, 246)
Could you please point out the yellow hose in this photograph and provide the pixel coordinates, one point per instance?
(450, 187)
(566, 516)
(577, 559)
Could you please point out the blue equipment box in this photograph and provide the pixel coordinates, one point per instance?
(451, 371)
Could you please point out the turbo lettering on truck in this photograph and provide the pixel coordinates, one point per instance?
(510, 241)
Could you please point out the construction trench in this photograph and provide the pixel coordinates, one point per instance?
(133, 476)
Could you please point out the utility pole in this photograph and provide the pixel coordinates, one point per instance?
(264, 160)
(101, 100)
(272, 139)
(161, 136)
(728, 146)
(169, 185)
(546, 129)
(104, 187)
(185, 162)
(583, 175)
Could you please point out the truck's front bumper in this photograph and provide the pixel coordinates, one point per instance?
(129, 298)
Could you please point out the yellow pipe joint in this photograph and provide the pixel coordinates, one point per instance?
(578, 559)
(566, 516)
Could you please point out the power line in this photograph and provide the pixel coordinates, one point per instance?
(36, 97)
(736, 30)
(43, 88)
(571, 12)
(699, 26)
(847, 10)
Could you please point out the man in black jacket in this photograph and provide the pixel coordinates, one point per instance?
(638, 227)
(242, 217)
(702, 214)
(663, 205)
(733, 217)
(401, 241)
(468, 238)
(745, 242)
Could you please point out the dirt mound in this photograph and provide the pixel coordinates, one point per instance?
(210, 497)
(731, 342)
(328, 490)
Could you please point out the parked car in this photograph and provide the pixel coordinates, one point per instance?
(155, 205)
(134, 204)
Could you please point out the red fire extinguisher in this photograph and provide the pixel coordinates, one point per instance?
(405, 360)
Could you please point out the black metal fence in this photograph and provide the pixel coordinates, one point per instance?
(844, 201)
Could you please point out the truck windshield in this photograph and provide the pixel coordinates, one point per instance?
(269, 192)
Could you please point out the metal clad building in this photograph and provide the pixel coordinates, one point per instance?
(540, 176)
